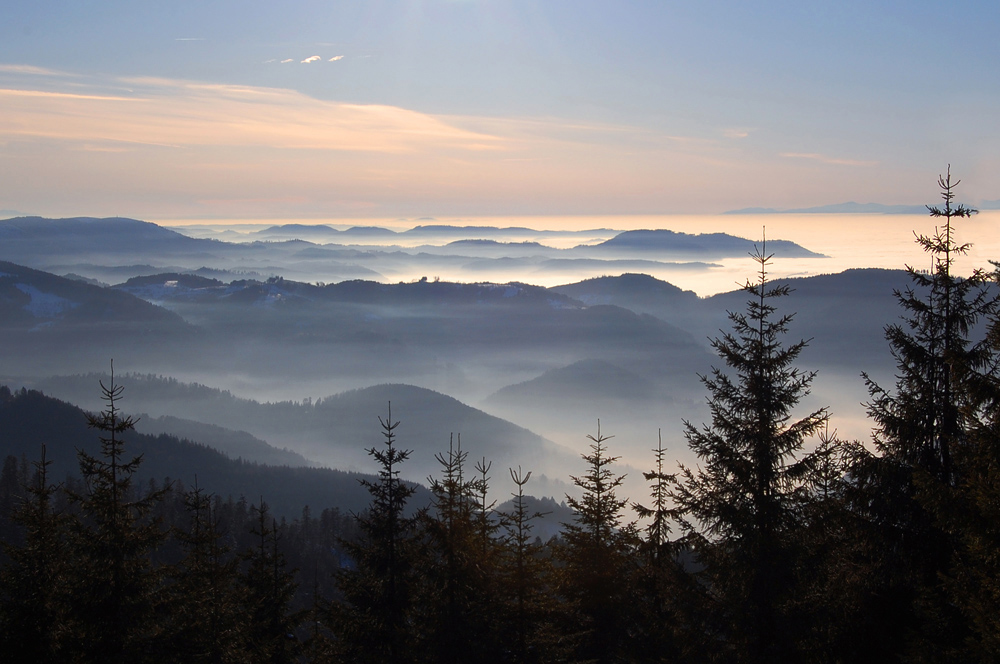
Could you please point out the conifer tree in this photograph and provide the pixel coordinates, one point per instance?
(33, 602)
(114, 591)
(458, 598)
(739, 508)
(921, 435)
(594, 579)
(660, 575)
(374, 622)
(205, 618)
(971, 516)
(925, 419)
(268, 591)
(528, 607)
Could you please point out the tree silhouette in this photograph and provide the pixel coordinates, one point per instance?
(922, 438)
(33, 606)
(268, 590)
(205, 620)
(740, 506)
(374, 623)
(114, 583)
(458, 594)
(595, 557)
(663, 585)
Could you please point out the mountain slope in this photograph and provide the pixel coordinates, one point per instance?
(29, 419)
(337, 430)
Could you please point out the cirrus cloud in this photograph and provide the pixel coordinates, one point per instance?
(184, 113)
(311, 58)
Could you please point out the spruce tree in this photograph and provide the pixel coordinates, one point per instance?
(922, 441)
(924, 420)
(740, 506)
(205, 621)
(595, 557)
(114, 585)
(458, 594)
(528, 606)
(268, 589)
(661, 580)
(33, 602)
(374, 623)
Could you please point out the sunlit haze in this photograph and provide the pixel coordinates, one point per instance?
(414, 108)
(845, 240)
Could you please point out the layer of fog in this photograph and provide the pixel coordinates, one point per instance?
(555, 369)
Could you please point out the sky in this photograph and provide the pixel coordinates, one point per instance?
(225, 109)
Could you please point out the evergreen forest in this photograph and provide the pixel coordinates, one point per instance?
(782, 543)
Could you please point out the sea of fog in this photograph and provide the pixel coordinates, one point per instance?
(846, 241)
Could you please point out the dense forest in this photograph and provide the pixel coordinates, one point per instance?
(783, 543)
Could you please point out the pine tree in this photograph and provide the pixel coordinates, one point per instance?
(33, 620)
(268, 589)
(114, 590)
(595, 555)
(458, 593)
(529, 609)
(661, 580)
(831, 598)
(921, 437)
(740, 507)
(205, 621)
(923, 422)
(374, 622)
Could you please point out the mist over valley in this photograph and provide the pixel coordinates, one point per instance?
(299, 341)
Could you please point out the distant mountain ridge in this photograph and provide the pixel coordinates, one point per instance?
(32, 297)
(92, 234)
(29, 418)
(709, 244)
(112, 250)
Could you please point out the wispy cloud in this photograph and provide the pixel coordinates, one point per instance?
(824, 159)
(287, 60)
(311, 58)
(10, 93)
(193, 146)
(336, 57)
(31, 70)
(736, 132)
(171, 112)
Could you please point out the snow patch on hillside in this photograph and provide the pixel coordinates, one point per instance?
(45, 305)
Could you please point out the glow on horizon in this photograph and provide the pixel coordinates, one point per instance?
(152, 148)
(412, 108)
(847, 241)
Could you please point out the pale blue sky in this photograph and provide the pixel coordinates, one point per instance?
(467, 107)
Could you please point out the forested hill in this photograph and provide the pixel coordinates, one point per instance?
(29, 419)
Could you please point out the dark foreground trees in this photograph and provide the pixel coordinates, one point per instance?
(595, 575)
(740, 508)
(112, 581)
(933, 439)
(34, 603)
(375, 621)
